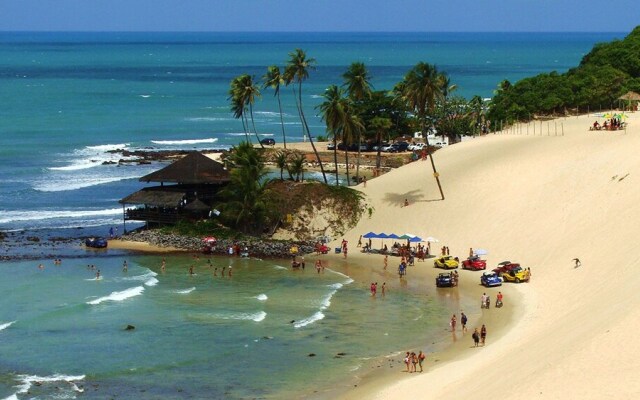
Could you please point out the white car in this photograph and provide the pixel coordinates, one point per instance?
(416, 146)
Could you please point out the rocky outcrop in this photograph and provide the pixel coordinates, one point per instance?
(257, 248)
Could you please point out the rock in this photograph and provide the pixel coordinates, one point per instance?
(129, 328)
(312, 354)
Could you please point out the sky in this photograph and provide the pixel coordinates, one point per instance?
(321, 15)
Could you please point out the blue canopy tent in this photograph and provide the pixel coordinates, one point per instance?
(370, 235)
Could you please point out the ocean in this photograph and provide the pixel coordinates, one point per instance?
(67, 99)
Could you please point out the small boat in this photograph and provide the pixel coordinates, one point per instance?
(96, 243)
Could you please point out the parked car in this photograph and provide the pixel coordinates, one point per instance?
(474, 263)
(399, 147)
(331, 146)
(380, 146)
(516, 275)
(444, 280)
(387, 148)
(505, 266)
(446, 262)
(490, 279)
(268, 142)
(416, 146)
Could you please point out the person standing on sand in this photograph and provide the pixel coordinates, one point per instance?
(476, 337)
(453, 323)
(483, 300)
(483, 333)
(407, 360)
(384, 288)
(386, 260)
(421, 358)
(359, 241)
(470, 252)
(463, 321)
(577, 261)
(364, 181)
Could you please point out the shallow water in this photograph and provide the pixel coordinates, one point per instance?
(200, 336)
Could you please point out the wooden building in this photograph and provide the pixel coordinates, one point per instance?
(188, 189)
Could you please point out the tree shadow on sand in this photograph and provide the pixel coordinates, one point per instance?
(397, 199)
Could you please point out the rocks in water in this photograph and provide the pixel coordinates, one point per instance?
(129, 328)
(312, 355)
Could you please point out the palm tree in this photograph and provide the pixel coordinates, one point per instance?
(238, 107)
(352, 127)
(297, 70)
(357, 80)
(245, 203)
(274, 79)
(332, 112)
(421, 89)
(297, 166)
(281, 160)
(380, 125)
(244, 91)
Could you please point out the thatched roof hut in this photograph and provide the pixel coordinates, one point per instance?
(630, 96)
(193, 169)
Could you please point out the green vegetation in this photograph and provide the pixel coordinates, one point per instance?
(607, 72)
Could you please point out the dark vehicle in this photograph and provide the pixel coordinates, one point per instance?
(444, 280)
(380, 146)
(399, 147)
(96, 243)
(331, 146)
(490, 279)
(268, 142)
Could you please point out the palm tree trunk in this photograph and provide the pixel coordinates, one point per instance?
(284, 136)
(379, 151)
(254, 125)
(335, 157)
(346, 160)
(433, 165)
(358, 160)
(308, 133)
(244, 128)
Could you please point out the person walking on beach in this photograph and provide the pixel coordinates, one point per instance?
(483, 300)
(421, 358)
(463, 321)
(384, 288)
(386, 260)
(476, 337)
(453, 323)
(483, 333)
(470, 252)
(359, 241)
(577, 261)
(499, 299)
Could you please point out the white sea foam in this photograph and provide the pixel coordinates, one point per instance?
(140, 278)
(279, 267)
(108, 147)
(261, 297)
(151, 282)
(37, 215)
(257, 316)
(90, 157)
(119, 296)
(307, 321)
(185, 291)
(12, 397)
(198, 119)
(28, 380)
(78, 182)
(6, 325)
(186, 141)
(269, 113)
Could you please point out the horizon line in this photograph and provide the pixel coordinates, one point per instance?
(293, 31)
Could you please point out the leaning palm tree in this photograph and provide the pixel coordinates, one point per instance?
(357, 80)
(238, 107)
(352, 127)
(274, 79)
(297, 71)
(245, 91)
(332, 112)
(380, 125)
(421, 90)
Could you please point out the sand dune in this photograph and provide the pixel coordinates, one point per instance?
(541, 201)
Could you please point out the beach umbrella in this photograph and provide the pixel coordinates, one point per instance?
(370, 235)
(504, 263)
(415, 239)
(209, 239)
(406, 236)
(480, 252)
(393, 236)
(431, 239)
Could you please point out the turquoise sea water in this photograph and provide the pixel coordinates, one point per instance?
(68, 98)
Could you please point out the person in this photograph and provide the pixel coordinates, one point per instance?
(483, 300)
(499, 299)
(40, 266)
(359, 241)
(470, 252)
(447, 250)
(230, 270)
(98, 275)
(384, 288)
(364, 181)
(463, 321)
(453, 323)
(215, 272)
(483, 333)
(407, 360)
(223, 269)
(577, 261)
(125, 266)
(421, 358)
(488, 305)
(164, 263)
(191, 270)
(406, 203)
(414, 361)
(318, 265)
(111, 232)
(373, 289)
(476, 337)
(386, 257)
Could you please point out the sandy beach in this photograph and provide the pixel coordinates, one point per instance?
(541, 201)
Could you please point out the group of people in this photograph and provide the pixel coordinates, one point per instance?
(374, 288)
(413, 360)
(609, 125)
